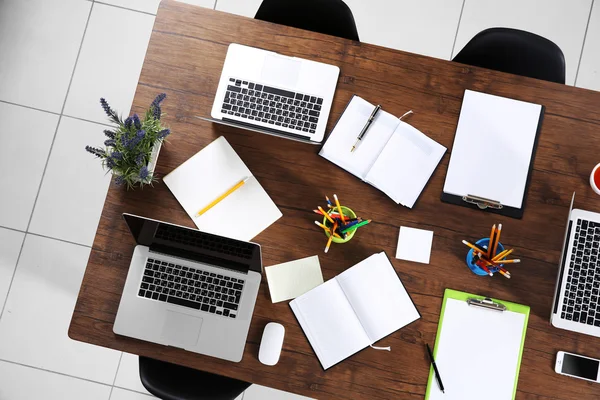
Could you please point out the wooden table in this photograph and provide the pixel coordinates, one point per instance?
(184, 59)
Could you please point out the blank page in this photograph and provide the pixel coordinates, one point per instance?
(377, 296)
(493, 148)
(461, 353)
(332, 328)
(207, 175)
(342, 138)
(405, 164)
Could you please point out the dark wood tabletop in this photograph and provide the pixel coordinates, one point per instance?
(184, 60)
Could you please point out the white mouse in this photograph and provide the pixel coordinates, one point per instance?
(271, 343)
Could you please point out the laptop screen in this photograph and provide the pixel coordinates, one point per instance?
(193, 244)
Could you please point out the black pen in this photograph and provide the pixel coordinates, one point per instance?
(438, 378)
(366, 127)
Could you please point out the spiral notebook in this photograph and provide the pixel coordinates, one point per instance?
(394, 156)
(478, 334)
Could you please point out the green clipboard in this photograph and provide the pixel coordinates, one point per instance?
(454, 294)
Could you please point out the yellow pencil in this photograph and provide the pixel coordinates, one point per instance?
(497, 240)
(330, 238)
(221, 197)
(475, 248)
(491, 243)
(327, 229)
(337, 203)
(326, 215)
(516, 260)
(505, 253)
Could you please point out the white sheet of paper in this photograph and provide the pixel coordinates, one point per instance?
(414, 244)
(405, 164)
(207, 175)
(292, 279)
(492, 128)
(342, 138)
(459, 351)
(377, 296)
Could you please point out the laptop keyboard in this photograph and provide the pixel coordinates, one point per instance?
(580, 302)
(274, 106)
(191, 287)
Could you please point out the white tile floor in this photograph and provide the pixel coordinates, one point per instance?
(59, 57)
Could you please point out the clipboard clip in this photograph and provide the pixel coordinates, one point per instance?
(486, 303)
(482, 203)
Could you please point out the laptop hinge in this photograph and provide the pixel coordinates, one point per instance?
(562, 268)
(267, 129)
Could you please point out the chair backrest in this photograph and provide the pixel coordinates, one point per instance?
(516, 52)
(175, 382)
(331, 17)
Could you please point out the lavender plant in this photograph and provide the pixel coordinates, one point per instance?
(128, 147)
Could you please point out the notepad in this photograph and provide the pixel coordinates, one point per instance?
(355, 309)
(414, 244)
(493, 149)
(207, 175)
(477, 350)
(393, 156)
(292, 279)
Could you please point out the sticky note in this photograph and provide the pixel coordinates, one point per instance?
(414, 245)
(292, 279)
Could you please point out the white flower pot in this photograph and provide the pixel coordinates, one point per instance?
(154, 156)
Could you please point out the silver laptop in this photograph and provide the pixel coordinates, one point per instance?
(189, 289)
(275, 94)
(576, 305)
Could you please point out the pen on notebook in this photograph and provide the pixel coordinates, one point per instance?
(438, 378)
(366, 127)
(221, 197)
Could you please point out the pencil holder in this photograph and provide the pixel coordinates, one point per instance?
(347, 213)
(470, 258)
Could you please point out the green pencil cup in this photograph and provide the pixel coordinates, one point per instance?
(347, 213)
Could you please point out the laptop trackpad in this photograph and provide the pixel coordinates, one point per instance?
(280, 71)
(181, 330)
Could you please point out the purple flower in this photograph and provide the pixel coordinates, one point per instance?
(144, 173)
(119, 180)
(95, 151)
(135, 140)
(156, 112)
(109, 134)
(109, 111)
(117, 155)
(128, 122)
(139, 160)
(110, 142)
(136, 122)
(164, 133)
(110, 163)
(159, 99)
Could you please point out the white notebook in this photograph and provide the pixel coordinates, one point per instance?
(393, 156)
(497, 129)
(355, 309)
(207, 175)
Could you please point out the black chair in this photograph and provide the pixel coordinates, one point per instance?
(174, 382)
(516, 52)
(332, 17)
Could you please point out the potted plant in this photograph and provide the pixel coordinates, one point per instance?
(131, 149)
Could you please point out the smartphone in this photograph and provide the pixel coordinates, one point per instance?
(577, 366)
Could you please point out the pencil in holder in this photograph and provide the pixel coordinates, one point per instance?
(347, 213)
(471, 259)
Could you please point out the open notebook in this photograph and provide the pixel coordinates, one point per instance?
(354, 310)
(504, 131)
(207, 175)
(393, 156)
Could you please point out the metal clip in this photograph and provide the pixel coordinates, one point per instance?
(486, 303)
(482, 203)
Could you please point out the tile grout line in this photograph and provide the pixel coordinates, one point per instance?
(124, 8)
(59, 119)
(583, 45)
(214, 8)
(12, 278)
(457, 27)
(45, 236)
(115, 378)
(55, 113)
(54, 372)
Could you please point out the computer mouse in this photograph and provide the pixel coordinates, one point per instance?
(271, 343)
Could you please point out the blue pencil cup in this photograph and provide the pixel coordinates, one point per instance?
(474, 268)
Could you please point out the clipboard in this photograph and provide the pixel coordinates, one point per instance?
(460, 312)
(493, 153)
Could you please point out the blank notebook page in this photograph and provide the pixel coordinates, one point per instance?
(493, 148)
(472, 368)
(342, 138)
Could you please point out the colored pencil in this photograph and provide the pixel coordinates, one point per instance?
(339, 207)
(326, 215)
(474, 247)
(504, 273)
(497, 240)
(492, 235)
(330, 238)
(354, 227)
(327, 229)
(514, 261)
(221, 197)
(349, 224)
(328, 201)
(481, 265)
(505, 253)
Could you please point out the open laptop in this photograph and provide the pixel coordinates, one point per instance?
(189, 289)
(275, 94)
(576, 298)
